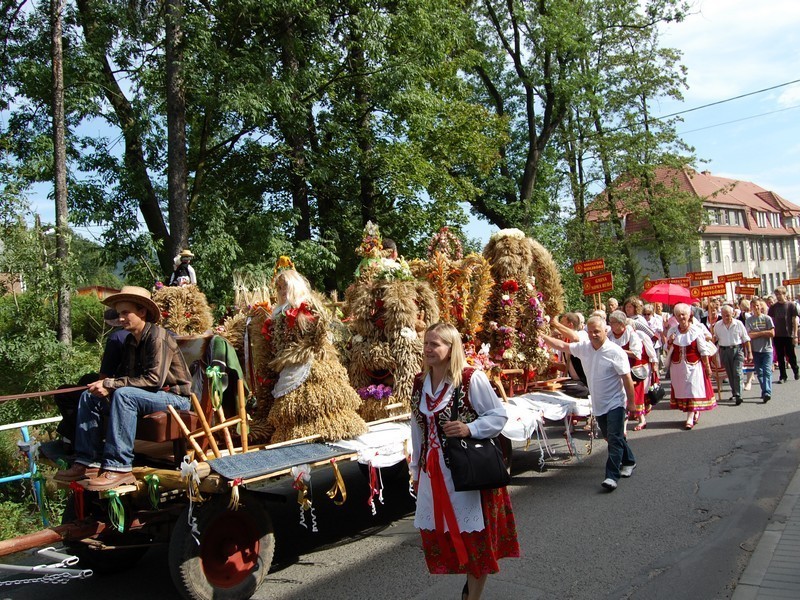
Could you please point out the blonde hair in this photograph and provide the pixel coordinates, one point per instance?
(452, 338)
(297, 288)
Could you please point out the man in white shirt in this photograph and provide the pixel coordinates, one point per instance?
(734, 348)
(608, 373)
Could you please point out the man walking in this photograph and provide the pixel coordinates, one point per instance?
(784, 317)
(152, 375)
(734, 349)
(608, 373)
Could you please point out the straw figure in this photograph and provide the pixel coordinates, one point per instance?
(184, 310)
(388, 309)
(527, 288)
(311, 394)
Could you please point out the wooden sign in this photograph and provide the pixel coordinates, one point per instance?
(732, 277)
(681, 281)
(756, 281)
(744, 290)
(596, 264)
(712, 289)
(700, 275)
(651, 282)
(795, 281)
(595, 284)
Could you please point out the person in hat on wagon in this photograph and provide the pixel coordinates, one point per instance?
(152, 375)
(184, 272)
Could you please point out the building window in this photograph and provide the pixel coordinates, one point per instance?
(784, 278)
(775, 218)
(741, 251)
(717, 255)
(771, 282)
(733, 251)
(737, 218)
(764, 284)
(775, 249)
(782, 246)
(752, 249)
(707, 251)
(769, 250)
(761, 218)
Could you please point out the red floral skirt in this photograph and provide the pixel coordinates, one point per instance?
(484, 548)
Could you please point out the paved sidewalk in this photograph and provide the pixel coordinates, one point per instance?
(774, 569)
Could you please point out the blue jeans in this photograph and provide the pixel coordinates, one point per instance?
(612, 425)
(762, 361)
(123, 407)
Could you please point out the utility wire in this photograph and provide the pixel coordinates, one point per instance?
(772, 112)
(688, 110)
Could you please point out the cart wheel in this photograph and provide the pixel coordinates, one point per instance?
(102, 561)
(508, 451)
(234, 552)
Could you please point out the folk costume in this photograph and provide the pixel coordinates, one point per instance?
(691, 389)
(462, 532)
(630, 340)
(312, 394)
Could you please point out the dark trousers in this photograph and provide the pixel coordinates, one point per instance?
(785, 352)
(612, 426)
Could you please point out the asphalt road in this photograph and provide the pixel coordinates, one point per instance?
(683, 526)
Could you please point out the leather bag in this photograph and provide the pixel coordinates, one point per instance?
(475, 464)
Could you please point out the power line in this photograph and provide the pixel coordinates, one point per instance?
(688, 110)
(772, 112)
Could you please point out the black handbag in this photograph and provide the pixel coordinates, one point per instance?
(475, 464)
(656, 393)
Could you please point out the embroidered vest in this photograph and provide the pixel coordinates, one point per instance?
(466, 413)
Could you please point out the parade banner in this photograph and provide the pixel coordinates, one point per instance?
(733, 277)
(651, 282)
(795, 281)
(700, 275)
(712, 289)
(681, 281)
(596, 264)
(744, 291)
(596, 284)
(756, 281)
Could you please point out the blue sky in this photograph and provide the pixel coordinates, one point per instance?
(730, 47)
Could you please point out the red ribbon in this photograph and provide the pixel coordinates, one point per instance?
(443, 508)
(77, 494)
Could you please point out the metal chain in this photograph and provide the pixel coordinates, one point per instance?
(58, 578)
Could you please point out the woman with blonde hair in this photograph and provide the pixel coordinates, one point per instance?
(462, 532)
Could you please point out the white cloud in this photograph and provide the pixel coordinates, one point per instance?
(790, 96)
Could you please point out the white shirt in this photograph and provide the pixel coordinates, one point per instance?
(604, 368)
(735, 335)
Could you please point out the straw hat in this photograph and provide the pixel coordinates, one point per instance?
(139, 296)
(186, 254)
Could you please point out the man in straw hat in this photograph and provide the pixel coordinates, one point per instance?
(151, 375)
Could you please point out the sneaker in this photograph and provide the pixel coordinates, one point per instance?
(747, 386)
(76, 472)
(766, 398)
(108, 480)
(609, 484)
(627, 470)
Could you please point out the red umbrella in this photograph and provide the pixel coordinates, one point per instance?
(668, 293)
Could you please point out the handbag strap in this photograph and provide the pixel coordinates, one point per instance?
(456, 403)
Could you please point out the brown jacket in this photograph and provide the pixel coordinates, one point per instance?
(154, 363)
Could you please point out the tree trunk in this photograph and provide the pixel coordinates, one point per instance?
(177, 170)
(60, 178)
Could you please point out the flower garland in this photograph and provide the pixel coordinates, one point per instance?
(447, 243)
(377, 392)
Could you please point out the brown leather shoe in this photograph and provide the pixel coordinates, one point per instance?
(76, 472)
(108, 480)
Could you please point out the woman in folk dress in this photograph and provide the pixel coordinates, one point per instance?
(462, 532)
(688, 351)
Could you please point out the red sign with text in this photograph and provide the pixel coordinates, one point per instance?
(751, 281)
(596, 264)
(700, 275)
(712, 289)
(596, 284)
(795, 281)
(744, 290)
(681, 281)
(732, 277)
(651, 282)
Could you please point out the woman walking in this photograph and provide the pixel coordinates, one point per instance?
(462, 532)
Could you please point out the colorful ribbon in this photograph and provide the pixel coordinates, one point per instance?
(443, 508)
(214, 374)
(116, 512)
(152, 482)
(77, 495)
(338, 486)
